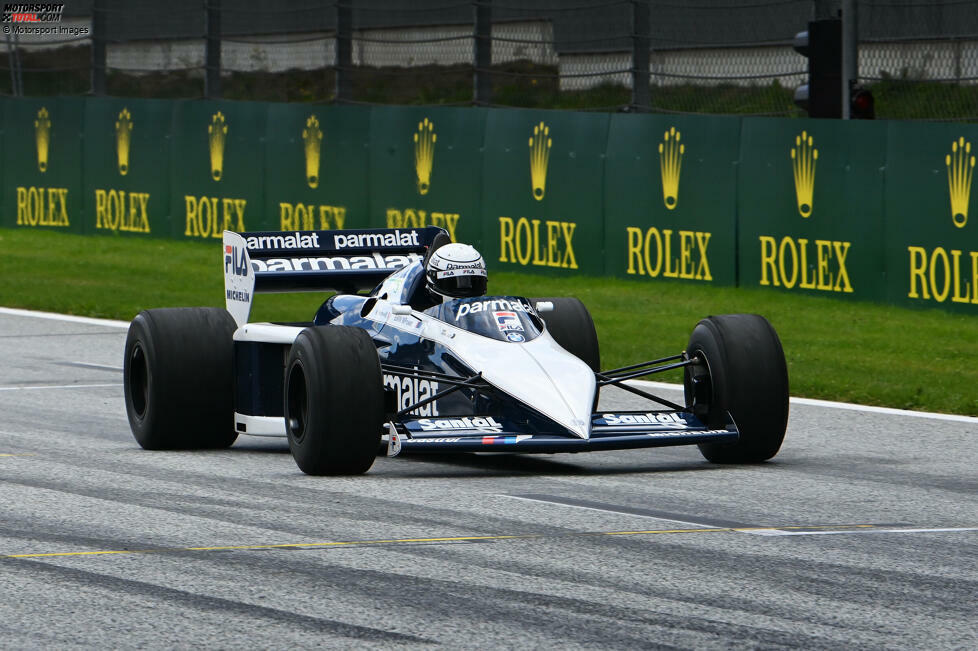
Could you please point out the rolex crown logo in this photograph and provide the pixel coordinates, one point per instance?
(123, 128)
(540, 144)
(670, 163)
(42, 133)
(218, 132)
(960, 171)
(312, 136)
(424, 154)
(803, 159)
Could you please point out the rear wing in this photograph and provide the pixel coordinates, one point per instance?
(304, 261)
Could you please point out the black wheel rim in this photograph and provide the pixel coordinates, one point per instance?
(138, 381)
(297, 404)
(700, 371)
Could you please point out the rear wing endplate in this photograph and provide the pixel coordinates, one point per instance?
(301, 261)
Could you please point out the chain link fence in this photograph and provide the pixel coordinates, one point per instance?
(918, 57)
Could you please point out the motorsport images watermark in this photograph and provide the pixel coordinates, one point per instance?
(34, 19)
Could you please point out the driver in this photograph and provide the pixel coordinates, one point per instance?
(455, 271)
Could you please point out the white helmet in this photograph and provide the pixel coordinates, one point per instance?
(456, 271)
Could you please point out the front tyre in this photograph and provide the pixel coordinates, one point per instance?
(742, 370)
(177, 376)
(334, 401)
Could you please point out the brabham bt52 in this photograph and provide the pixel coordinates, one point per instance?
(425, 362)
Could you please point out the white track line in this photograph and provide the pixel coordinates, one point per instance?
(699, 525)
(885, 410)
(839, 532)
(104, 367)
(640, 383)
(61, 386)
(833, 405)
(109, 323)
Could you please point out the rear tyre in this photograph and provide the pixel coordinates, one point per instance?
(743, 371)
(178, 378)
(571, 326)
(334, 401)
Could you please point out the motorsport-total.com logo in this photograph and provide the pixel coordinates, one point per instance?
(36, 18)
(32, 12)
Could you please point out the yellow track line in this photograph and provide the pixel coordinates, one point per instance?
(402, 541)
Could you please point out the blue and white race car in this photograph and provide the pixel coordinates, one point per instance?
(380, 371)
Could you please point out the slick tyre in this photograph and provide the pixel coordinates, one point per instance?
(334, 401)
(742, 371)
(571, 326)
(178, 378)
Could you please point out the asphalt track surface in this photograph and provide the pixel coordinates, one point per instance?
(862, 533)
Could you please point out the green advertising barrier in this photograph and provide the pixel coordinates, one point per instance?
(932, 216)
(126, 163)
(866, 210)
(216, 171)
(542, 202)
(425, 169)
(42, 164)
(810, 212)
(315, 167)
(670, 197)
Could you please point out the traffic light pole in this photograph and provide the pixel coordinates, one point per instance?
(825, 9)
(821, 95)
(831, 46)
(850, 54)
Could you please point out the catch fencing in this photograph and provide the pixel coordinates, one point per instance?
(920, 59)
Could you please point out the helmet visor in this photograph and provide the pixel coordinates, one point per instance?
(461, 282)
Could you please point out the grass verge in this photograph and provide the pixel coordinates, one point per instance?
(836, 350)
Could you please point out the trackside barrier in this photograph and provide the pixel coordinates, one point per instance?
(670, 198)
(809, 205)
(880, 211)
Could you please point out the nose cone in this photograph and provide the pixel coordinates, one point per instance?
(545, 376)
(571, 384)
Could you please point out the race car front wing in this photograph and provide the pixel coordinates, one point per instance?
(609, 431)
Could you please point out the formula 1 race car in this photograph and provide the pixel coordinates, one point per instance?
(380, 372)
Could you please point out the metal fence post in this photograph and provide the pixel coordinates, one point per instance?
(482, 55)
(212, 54)
(98, 47)
(641, 44)
(850, 54)
(344, 50)
(16, 72)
